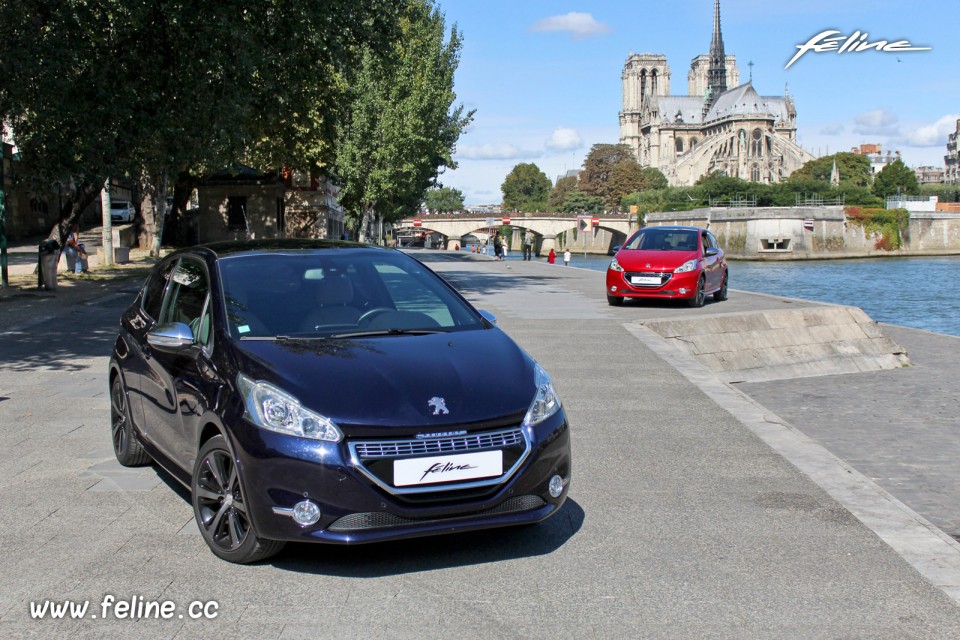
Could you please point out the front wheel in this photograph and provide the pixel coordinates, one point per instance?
(614, 301)
(220, 508)
(699, 297)
(721, 295)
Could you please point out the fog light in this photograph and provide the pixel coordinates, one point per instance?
(556, 486)
(306, 513)
(683, 291)
(613, 287)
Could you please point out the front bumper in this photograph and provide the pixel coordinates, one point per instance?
(278, 471)
(676, 286)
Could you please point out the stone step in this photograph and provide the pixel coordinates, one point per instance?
(779, 345)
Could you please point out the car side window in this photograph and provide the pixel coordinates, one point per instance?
(186, 299)
(707, 243)
(153, 291)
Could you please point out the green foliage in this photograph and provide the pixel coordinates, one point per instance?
(578, 201)
(560, 190)
(444, 199)
(895, 178)
(653, 178)
(888, 223)
(525, 188)
(401, 128)
(611, 172)
(854, 169)
(145, 90)
(944, 192)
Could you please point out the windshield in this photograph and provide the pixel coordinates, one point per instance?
(338, 293)
(654, 239)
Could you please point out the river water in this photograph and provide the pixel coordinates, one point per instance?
(912, 292)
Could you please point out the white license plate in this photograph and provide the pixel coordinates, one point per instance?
(466, 466)
(645, 280)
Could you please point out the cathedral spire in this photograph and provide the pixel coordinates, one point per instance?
(717, 74)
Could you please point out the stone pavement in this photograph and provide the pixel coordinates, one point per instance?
(687, 516)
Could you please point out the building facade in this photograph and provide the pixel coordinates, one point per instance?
(715, 128)
(950, 164)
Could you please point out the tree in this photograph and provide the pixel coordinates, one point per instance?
(144, 91)
(599, 177)
(896, 178)
(854, 169)
(653, 178)
(444, 199)
(524, 186)
(578, 201)
(402, 128)
(560, 190)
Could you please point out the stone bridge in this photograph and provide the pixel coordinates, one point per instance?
(551, 231)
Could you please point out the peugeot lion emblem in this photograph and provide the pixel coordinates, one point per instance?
(439, 405)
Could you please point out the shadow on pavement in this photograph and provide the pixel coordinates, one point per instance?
(435, 552)
(55, 343)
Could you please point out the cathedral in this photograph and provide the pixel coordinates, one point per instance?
(721, 125)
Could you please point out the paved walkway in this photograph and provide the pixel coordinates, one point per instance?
(692, 511)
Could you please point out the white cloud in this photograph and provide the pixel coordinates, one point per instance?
(564, 139)
(832, 129)
(578, 25)
(931, 135)
(876, 122)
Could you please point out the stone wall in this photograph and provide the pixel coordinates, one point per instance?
(802, 233)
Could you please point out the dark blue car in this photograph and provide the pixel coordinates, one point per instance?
(331, 392)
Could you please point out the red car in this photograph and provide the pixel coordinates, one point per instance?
(668, 262)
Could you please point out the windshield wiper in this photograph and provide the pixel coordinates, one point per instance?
(389, 332)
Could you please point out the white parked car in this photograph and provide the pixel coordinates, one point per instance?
(122, 211)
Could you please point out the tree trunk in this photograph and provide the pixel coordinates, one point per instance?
(153, 211)
(72, 209)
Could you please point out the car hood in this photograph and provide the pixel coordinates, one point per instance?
(481, 375)
(639, 260)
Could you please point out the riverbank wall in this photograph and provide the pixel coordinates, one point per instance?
(811, 233)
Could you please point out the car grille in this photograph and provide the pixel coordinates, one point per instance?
(664, 277)
(383, 520)
(408, 448)
(375, 459)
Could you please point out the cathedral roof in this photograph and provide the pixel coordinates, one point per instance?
(690, 109)
(745, 101)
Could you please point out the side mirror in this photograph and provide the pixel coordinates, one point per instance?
(711, 251)
(489, 317)
(172, 338)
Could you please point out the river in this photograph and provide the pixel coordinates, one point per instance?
(912, 292)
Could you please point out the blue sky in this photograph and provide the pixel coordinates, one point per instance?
(544, 76)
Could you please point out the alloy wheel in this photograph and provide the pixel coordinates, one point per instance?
(222, 512)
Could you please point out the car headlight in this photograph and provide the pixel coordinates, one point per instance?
(546, 402)
(615, 266)
(689, 265)
(270, 408)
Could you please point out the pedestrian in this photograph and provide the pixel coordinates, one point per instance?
(552, 256)
(498, 247)
(76, 251)
(528, 246)
(566, 258)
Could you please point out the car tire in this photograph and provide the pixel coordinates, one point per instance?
(218, 506)
(129, 451)
(721, 295)
(699, 297)
(614, 301)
